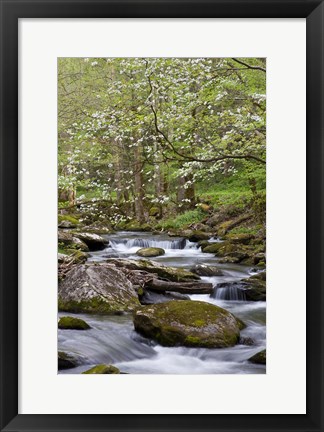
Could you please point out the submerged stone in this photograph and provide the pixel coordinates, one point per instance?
(188, 323)
(259, 358)
(150, 252)
(66, 361)
(72, 323)
(205, 270)
(103, 369)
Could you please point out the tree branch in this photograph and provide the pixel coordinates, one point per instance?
(249, 66)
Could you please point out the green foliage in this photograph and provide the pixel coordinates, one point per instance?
(145, 132)
(183, 220)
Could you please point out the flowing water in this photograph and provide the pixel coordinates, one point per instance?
(113, 340)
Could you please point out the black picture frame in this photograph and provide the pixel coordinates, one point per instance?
(11, 11)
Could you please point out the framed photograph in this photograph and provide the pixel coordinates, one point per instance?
(161, 215)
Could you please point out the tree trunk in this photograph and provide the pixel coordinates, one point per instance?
(179, 287)
(138, 188)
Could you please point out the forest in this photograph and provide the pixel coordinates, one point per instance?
(161, 215)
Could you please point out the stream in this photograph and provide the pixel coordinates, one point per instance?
(113, 340)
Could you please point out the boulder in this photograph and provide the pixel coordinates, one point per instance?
(93, 241)
(72, 323)
(62, 258)
(66, 225)
(70, 241)
(103, 369)
(188, 323)
(212, 247)
(154, 211)
(96, 288)
(205, 270)
(240, 238)
(259, 358)
(150, 252)
(252, 288)
(170, 273)
(198, 236)
(255, 287)
(228, 225)
(203, 243)
(66, 361)
(78, 256)
(67, 221)
(136, 227)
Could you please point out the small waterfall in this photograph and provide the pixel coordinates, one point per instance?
(145, 243)
(229, 292)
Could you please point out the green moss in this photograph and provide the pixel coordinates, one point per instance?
(188, 323)
(200, 312)
(199, 323)
(79, 257)
(192, 340)
(68, 218)
(174, 274)
(212, 247)
(103, 370)
(72, 323)
(140, 291)
(243, 238)
(154, 211)
(66, 361)
(93, 305)
(135, 226)
(150, 252)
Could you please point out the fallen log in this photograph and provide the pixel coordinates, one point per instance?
(159, 285)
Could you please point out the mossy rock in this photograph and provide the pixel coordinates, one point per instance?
(150, 252)
(255, 287)
(174, 274)
(212, 248)
(72, 323)
(203, 243)
(135, 226)
(228, 225)
(259, 257)
(66, 361)
(198, 236)
(240, 238)
(78, 256)
(204, 207)
(154, 212)
(103, 369)
(67, 221)
(96, 288)
(94, 241)
(188, 323)
(205, 270)
(259, 358)
(68, 241)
